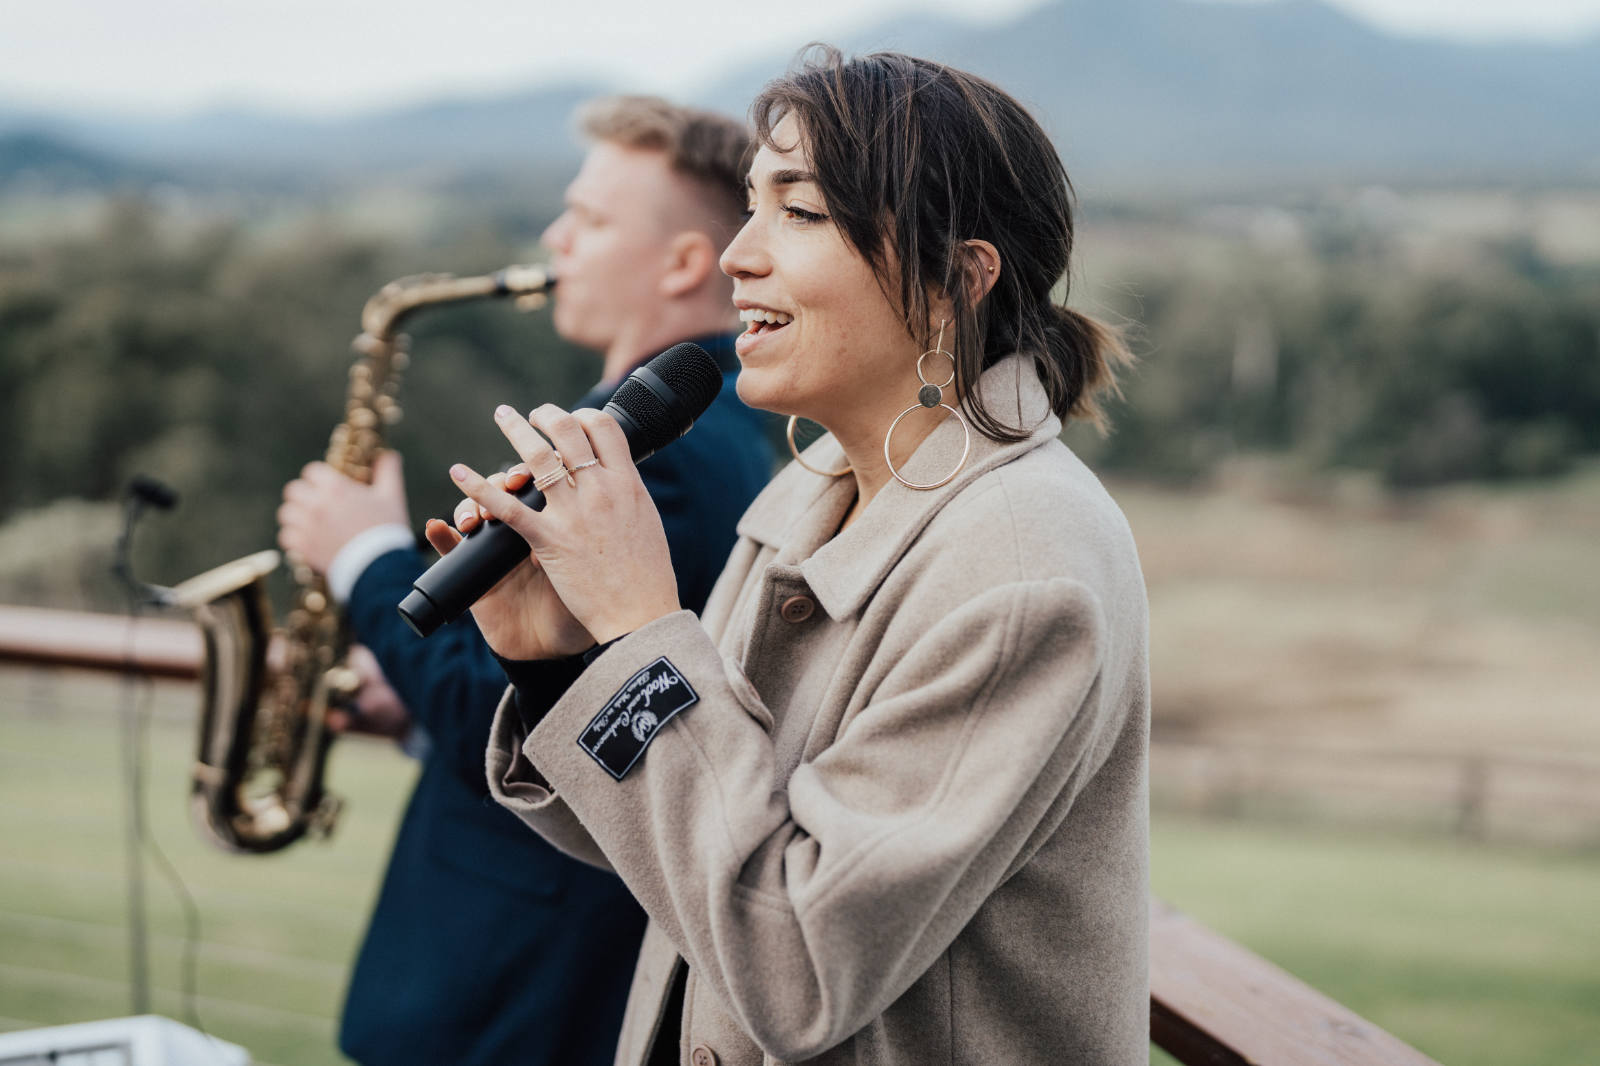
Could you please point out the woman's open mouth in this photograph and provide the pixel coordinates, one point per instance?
(760, 321)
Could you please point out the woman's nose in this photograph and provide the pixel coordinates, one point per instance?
(746, 254)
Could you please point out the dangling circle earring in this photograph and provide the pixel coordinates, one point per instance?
(796, 453)
(930, 396)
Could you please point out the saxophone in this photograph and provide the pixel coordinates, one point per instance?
(264, 740)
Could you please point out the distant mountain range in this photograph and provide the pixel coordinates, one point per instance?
(1152, 94)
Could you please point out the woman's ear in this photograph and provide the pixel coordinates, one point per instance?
(691, 258)
(983, 269)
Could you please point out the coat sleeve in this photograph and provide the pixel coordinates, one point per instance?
(812, 908)
(451, 681)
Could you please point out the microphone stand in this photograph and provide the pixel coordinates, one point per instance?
(141, 493)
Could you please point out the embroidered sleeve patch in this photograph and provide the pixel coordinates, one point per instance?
(618, 735)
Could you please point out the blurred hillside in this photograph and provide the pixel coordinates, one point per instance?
(1153, 95)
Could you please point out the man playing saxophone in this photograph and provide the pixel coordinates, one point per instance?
(486, 944)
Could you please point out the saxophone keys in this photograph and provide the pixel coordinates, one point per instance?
(531, 301)
(325, 816)
(315, 602)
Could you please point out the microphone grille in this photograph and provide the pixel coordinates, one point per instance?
(689, 372)
(693, 379)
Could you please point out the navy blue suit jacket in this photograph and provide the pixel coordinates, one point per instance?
(488, 946)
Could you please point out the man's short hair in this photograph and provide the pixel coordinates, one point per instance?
(711, 149)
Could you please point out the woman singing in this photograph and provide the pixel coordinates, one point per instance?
(886, 801)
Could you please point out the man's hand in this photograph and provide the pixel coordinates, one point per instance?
(377, 709)
(322, 509)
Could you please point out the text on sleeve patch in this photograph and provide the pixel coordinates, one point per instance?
(618, 735)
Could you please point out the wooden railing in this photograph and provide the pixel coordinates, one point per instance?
(163, 647)
(1212, 1002)
(1215, 1003)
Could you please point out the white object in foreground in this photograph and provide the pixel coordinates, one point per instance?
(146, 1040)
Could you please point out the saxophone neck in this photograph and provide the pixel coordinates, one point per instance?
(381, 316)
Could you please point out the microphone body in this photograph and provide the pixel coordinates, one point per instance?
(655, 405)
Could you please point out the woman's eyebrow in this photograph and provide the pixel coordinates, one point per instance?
(784, 177)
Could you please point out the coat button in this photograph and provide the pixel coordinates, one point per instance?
(703, 1056)
(796, 609)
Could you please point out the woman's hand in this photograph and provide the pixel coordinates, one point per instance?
(521, 617)
(598, 545)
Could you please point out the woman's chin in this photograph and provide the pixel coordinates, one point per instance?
(756, 388)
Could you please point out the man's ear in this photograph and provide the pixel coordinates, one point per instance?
(691, 258)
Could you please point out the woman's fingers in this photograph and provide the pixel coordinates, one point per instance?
(468, 514)
(536, 453)
(565, 432)
(495, 502)
(609, 443)
(440, 536)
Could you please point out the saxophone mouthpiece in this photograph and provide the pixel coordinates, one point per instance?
(525, 279)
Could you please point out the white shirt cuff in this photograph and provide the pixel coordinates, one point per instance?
(359, 552)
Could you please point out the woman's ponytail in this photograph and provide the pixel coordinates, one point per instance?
(1079, 364)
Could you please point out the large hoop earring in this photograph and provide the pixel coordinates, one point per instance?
(930, 396)
(796, 453)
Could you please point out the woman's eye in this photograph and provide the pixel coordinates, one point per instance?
(800, 214)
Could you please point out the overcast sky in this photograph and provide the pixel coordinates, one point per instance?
(337, 56)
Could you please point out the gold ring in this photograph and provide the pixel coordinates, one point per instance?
(553, 474)
(550, 479)
(583, 466)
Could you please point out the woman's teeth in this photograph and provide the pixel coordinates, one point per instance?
(757, 317)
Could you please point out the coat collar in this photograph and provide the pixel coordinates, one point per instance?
(799, 511)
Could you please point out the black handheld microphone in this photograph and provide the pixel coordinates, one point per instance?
(655, 406)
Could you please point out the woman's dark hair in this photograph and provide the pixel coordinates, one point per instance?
(915, 159)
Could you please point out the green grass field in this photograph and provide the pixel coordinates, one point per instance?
(1477, 955)
(278, 932)
(1474, 954)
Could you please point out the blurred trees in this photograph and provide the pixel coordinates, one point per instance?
(1485, 366)
(216, 360)
(214, 356)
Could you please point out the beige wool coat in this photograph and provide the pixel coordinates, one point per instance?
(903, 818)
